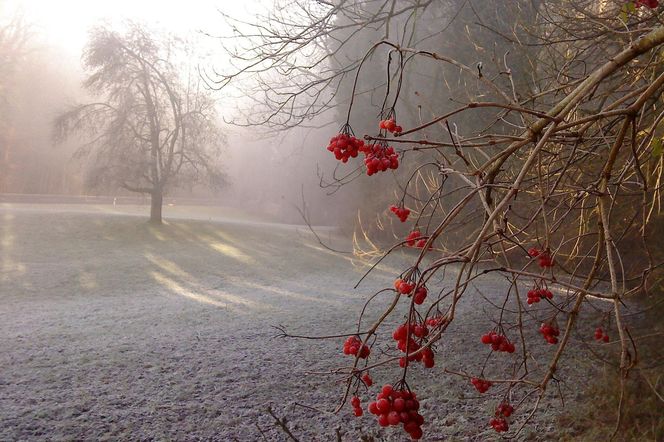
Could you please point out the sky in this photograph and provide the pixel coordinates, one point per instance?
(65, 23)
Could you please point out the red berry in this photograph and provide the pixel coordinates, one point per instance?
(420, 295)
(599, 334)
(481, 385)
(405, 288)
(410, 426)
(401, 332)
(412, 237)
(648, 3)
(384, 406)
(416, 434)
(545, 259)
(393, 418)
(549, 332)
(383, 420)
(504, 409)
(420, 331)
(401, 212)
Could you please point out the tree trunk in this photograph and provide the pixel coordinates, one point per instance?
(156, 200)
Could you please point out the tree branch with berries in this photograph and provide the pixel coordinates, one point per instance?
(549, 161)
(543, 169)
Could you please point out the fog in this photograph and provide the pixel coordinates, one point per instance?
(270, 219)
(266, 173)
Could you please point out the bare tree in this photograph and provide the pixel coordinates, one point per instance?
(149, 131)
(292, 58)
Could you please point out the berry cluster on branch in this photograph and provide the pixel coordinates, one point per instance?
(393, 407)
(353, 346)
(498, 342)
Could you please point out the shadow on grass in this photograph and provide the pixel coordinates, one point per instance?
(240, 268)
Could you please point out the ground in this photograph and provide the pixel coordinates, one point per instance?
(113, 329)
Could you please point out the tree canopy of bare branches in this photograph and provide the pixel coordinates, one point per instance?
(534, 153)
(148, 130)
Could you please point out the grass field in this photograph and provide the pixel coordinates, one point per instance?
(114, 329)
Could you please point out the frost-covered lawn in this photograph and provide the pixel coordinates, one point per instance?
(110, 328)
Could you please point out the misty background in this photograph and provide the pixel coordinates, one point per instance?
(273, 166)
(267, 173)
(118, 328)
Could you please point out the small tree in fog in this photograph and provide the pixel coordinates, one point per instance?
(149, 130)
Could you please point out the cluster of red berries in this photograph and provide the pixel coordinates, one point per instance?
(544, 258)
(406, 288)
(421, 243)
(345, 146)
(398, 407)
(435, 321)
(499, 423)
(481, 385)
(390, 126)
(414, 239)
(649, 3)
(600, 335)
(357, 409)
(367, 380)
(379, 158)
(535, 295)
(405, 342)
(403, 287)
(353, 346)
(550, 333)
(498, 342)
(401, 213)
(420, 295)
